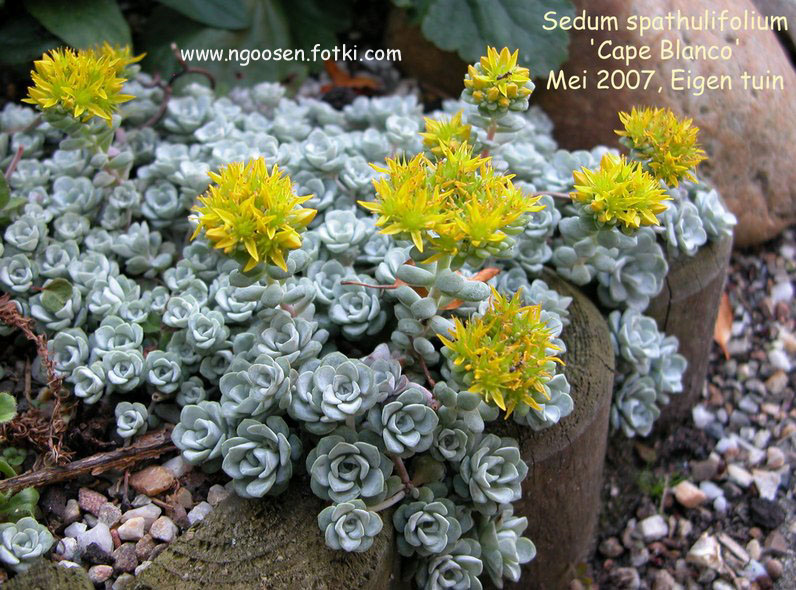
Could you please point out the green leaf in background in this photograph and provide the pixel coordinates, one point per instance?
(22, 40)
(82, 23)
(468, 26)
(269, 30)
(8, 407)
(55, 295)
(317, 21)
(21, 504)
(220, 14)
(5, 191)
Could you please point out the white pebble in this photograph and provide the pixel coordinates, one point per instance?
(216, 494)
(133, 529)
(75, 529)
(177, 466)
(782, 291)
(712, 491)
(767, 483)
(100, 534)
(149, 512)
(67, 548)
(702, 416)
(739, 475)
(199, 512)
(779, 359)
(720, 504)
(653, 528)
(163, 529)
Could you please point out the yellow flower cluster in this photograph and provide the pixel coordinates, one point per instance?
(445, 133)
(505, 354)
(668, 144)
(497, 83)
(457, 205)
(253, 214)
(85, 83)
(619, 192)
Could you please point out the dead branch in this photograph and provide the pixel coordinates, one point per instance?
(147, 446)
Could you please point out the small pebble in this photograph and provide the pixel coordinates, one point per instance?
(75, 529)
(144, 547)
(124, 558)
(177, 466)
(67, 548)
(183, 498)
(217, 494)
(141, 500)
(663, 580)
(754, 549)
(779, 359)
(653, 528)
(99, 535)
(132, 529)
(152, 480)
(148, 512)
(766, 482)
(91, 501)
(720, 504)
(687, 494)
(124, 582)
(777, 383)
(142, 567)
(702, 416)
(739, 475)
(705, 470)
(625, 578)
(110, 514)
(67, 564)
(163, 529)
(71, 511)
(199, 512)
(99, 573)
(774, 568)
(711, 490)
(775, 458)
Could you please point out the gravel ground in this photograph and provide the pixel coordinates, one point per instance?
(711, 503)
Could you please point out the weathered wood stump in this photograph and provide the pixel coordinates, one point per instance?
(275, 543)
(687, 308)
(268, 544)
(46, 575)
(561, 495)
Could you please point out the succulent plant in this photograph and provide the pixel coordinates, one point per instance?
(634, 410)
(22, 542)
(497, 84)
(457, 569)
(131, 419)
(114, 334)
(716, 218)
(260, 458)
(491, 473)
(503, 549)
(349, 526)
(55, 259)
(427, 525)
(258, 389)
(200, 434)
(296, 339)
(683, 229)
(206, 331)
(68, 350)
(343, 468)
(635, 338)
(163, 371)
(123, 369)
(88, 382)
(18, 273)
(406, 423)
(25, 234)
(357, 310)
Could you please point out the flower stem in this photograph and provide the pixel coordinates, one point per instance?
(358, 284)
(402, 472)
(391, 501)
(555, 195)
(490, 135)
(12, 166)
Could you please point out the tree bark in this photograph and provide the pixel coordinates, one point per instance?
(687, 308)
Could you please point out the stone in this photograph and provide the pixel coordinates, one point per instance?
(144, 547)
(774, 568)
(91, 501)
(705, 470)
(152, 480)
(124, 582)
(110, 514)
(663, 580)
(199, 512)
(766, 513)
(653, 528)
(684, 528)
(711, 490)
(96, 555)
(779, 359)
(734, 547)
(702, 417)
(99, 573)
(177, 466)
(149, 512)
(782, 292)
(216, 494)
(754, 549)
(687, 494)
(775, 543)
(625, 578)
(720, 504)
(183, 498)
(124, 558)
(739, 475)
(705, 553)
(766, 483)
(142, 567)
(141, 500)
(777, 383)
(71, 511)
(722, 585)
(749, 135)
(75, 529)
(163, 529)
(775, 458)
(132, 529)
(67, 548)
(611, 547)
(100, 534)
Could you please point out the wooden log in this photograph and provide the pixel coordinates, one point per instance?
(269, 544)
(561, 495)
(46, 575)
(687, 308)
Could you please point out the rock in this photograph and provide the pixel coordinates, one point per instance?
(684, 528)
(702, 417)
(125, 559)
(124, 582)
(91, 501)
(99, 573)
(133, 529)
(766, 513)
(142, 567)
(777, 383)
(216, 494)
(639, 556)
(739, 475)
(720, 504)
(199, 512)
(148, 512)
(141, 500)
(705, 553)
(733, 546)
(748, 405)
(611, 547)
(110, 514)
(152, 480)
(96, 555)
(71, 511)
(163, 529)
(99, 534)
(625, 578)
(722, 585)
(749, 158)
(183, 498)
(774, 568)
(782, 292)
(766, 482)
(177, 466)
(776, 543)
(689, 495)
(663, 580)
(75, 529)
(144, 547)
(705, 470)
(779, 359)
(754, 549)
(67, 548)
(653, 528)
(711, 490)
